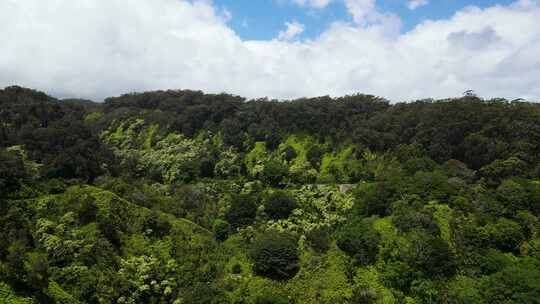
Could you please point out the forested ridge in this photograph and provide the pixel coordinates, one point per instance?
(186, 197)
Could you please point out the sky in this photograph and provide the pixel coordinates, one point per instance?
(401, 50)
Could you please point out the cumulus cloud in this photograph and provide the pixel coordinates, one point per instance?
(474, 40)
(101, 48)
(293, 29)
(413, 4)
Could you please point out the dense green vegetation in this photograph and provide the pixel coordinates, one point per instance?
(185, 197)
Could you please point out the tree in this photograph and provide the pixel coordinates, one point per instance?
(319, 239)
(12, 172)
(505, 234)
(221, 230)
(464, 290)
(429, 254)
(242, 211)
(275, 256)
(499, 170)
(289, 153)
(156, 225)
(359, 240)
(274, 171)
(375, 198)
(512, 196)
(279, 205)
(87, 210)
(519, 282)
(410, 213)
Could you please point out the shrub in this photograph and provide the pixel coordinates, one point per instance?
(274, 171)
(359, 240)
(221, 230)
(279, 205)
(275, 256)
(242, 211)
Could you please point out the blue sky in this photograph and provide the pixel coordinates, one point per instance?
(264, 19)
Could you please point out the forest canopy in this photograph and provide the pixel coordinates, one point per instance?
(185, 197)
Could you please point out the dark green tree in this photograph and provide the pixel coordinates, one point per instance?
(279, 205)
(275, 256)
(242, 211)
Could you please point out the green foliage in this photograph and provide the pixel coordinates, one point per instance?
(275, 256)
(501, 169)
(343, 166)
(301, 169)
(410, 213)
(431, 186)
(319, 239)
(358, 239)
(375, 198)
(465, 290)
(256, 158)
(242, 211)
(55, 292)
(318, 207)
(274, 171)
(7, 296)
(271, 299)
(229, 164)
(518, 282)
(512, 196)
(221, 230)
(368, 287)
(505, 234)
(322, 278)
(429, 254)
(185, 197)
(15, 169)
(279, 205)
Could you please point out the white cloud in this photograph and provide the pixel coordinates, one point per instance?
(362, 11)
(414, 4)
(293, 29)
(313, 3)
(366, 13)
(101, 48)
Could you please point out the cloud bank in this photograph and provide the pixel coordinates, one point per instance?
(100, 48)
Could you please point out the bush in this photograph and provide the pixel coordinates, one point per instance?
(319, 239)
(157, 225)
(87, 211)
(242, 211)
(221, 230)
(375, 198)
(274, 171)
(275, 256)
(359, 240)
(430, 255)
(409, 213)
(279, 205)
(11, 172)
(505, 234)
(513, 196)
(289, 153)
(203, 293)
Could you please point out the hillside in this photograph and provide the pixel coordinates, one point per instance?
(186, 197)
